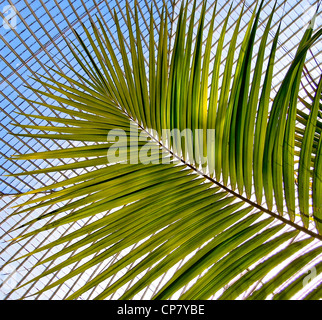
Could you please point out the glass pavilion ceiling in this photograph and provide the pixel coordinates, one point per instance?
(37, 42)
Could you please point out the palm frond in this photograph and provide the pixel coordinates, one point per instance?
(175, 195)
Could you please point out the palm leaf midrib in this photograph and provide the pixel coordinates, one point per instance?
(232, 192)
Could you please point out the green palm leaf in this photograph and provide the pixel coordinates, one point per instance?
(175, 196)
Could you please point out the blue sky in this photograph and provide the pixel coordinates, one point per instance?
(30, 54)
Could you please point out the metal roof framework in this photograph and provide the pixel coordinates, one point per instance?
(38, 42)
